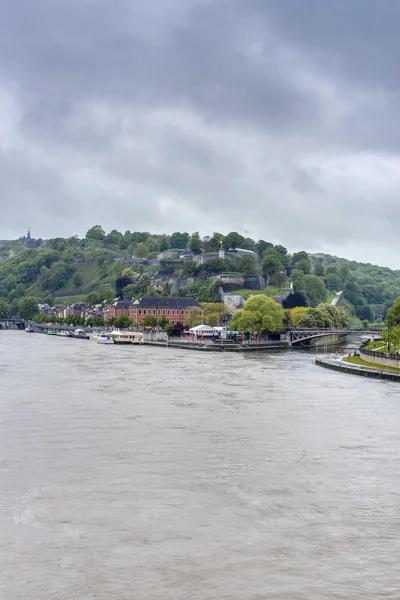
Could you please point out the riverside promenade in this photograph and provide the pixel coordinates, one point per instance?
(344, 367)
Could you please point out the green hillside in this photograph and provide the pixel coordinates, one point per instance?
(100, 267)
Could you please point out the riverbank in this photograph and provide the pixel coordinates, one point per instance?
(345, 367)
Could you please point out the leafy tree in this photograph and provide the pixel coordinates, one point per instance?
(163, 322)
(304, 265)
(179, 241)
(213, 313)
(319, 270)
(217, 265)
(315, 290)
(27, 307)
(149, 321)
(352, 293)
(233, 240)
(344, 272)
(262, 246)
(195, 243)
(113, 238)
(247, 265)
(298, 256)
(282, 252)
(77, 280)
(106, 292)
(278, 279)
(164, 243)
(123, 321)
(93, 298)
(48, 298)
(215, 241)
(312, 318)
(4, 310)
(295, 314)
(271, 264)
(365, 313)
(96, 233)
(299, 281)
(188, 269)
(333, 282)
(141, 250)
(331, 270)
(393, 314)
(195, 317)
(258, 314)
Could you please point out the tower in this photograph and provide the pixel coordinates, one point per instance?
(221, 253)
(28, 237)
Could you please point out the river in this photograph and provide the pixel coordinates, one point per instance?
(159, 474)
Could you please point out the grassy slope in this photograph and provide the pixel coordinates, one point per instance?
(356, 360)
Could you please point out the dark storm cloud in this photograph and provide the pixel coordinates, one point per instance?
(271, 116)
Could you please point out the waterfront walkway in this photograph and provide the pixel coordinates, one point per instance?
(345, 367)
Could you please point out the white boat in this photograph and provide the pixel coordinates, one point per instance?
(81, 333)
(126, 337)
(105, 339)
(29, 329)
(64, 333)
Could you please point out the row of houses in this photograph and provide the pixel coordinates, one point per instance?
(174, 309)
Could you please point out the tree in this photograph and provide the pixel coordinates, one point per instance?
(215, 241)
(141, 250)
(271, 264)
(27, 307)
(299, 283)
(315, 290)
(164, 243)
(179, 241)
(233, 240)
(319, 269)
(92, 298)
(333, 282)
(247, 264)
(96, 233)
(278, 279)
(393, 314)
(149, 321)
(258, 314)
(298, 256)
(352, 293)
(163, 322)
(123, 321)
(312, 318)
(77, 280)
(195, 243)
(188, 269)
(304, 265)
(4, 310)
(106, 292)
(213, 313)
(195, 317)
(295, 314)
(262, 246)
(365, 313)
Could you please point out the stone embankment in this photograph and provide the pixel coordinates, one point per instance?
(344, 367)
(383, 359)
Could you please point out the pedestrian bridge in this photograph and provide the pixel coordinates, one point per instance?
(299, 336)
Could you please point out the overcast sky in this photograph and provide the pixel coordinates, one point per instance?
(274, 118)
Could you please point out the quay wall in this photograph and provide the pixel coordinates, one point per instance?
(327, 340)
(380, 358)
(357, 370)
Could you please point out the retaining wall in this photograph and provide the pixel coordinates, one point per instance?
(357, 370)
(380, 358)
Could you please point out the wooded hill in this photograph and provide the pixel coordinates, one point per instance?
(102, 266)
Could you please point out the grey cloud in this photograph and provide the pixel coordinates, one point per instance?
(272, 117)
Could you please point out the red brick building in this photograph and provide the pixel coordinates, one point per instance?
(175, 309)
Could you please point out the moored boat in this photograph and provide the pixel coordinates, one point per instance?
(81, 334)
(105, 339)
(29, 329)
(126, 337)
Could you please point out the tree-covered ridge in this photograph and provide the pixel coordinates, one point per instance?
(103, 265)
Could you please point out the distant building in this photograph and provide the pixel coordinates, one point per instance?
(27, 241)
(175, 309)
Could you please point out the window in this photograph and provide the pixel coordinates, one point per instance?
(168, 312)
(154, 312)
(140, 311)
(159, 311)
(183, 312)
(173, 312)
(163, 312)
(144, 312)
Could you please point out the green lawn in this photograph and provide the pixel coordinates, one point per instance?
(357, 360)
(267, 291)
